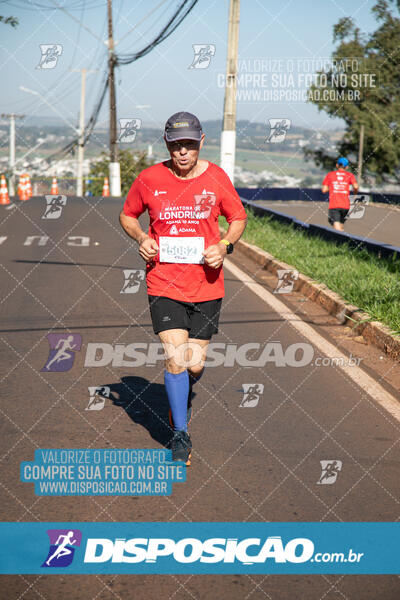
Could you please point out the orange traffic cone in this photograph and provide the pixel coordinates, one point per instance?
(4, 197)
(106, 188)
(22, 189)
(28, 185)
(20, 186)
(54, 186)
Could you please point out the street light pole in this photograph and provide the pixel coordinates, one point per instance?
(115, 173)
(228, 136)
(81, 142)
(11, 160)
(79, 174)
(12, 154)
(360, 155)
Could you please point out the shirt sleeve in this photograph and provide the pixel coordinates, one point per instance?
(134, 204)
(231, 206)
(352, 179)
(327, 180)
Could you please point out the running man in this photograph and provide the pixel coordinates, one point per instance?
(56, 205)
(49, 56)
(63, 345)
(62, 549)
(338, 184)
(184, 197)
(133, 280)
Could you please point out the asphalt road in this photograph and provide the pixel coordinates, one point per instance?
(259, 462)
(377, 222)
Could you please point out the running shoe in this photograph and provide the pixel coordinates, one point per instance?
(181, 446)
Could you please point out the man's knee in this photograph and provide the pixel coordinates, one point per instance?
(174, 367)
(196, 370)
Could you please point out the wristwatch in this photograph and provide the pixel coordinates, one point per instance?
(229, 246)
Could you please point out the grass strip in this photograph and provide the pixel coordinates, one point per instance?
(360, 277)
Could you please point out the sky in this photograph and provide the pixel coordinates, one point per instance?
(275, 39)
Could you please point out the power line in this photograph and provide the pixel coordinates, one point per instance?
(75, 19)
(140, 22)
(78, 36)
(180, 14)
(174, 22)
(34, 6)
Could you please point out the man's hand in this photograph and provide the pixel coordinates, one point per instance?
(214, 255)
(148, 248)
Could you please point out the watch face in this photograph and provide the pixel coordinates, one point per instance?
(229, 249)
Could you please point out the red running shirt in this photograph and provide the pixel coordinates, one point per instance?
(339, 188)
(184, 208)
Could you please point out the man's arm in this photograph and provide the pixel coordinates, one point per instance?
(235, 231)
(148, 247)
(325, 183)
(214, 255)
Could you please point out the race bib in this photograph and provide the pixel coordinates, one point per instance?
(181, 249)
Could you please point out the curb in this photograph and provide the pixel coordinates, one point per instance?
(347, 314)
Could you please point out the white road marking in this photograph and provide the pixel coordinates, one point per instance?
(362, 379)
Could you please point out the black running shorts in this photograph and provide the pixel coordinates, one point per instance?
(337, 215)
(200, 319)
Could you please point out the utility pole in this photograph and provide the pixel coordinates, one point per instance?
(115, 173)
(228, 135)
(81, 142)
(360, 155)
(11, 160)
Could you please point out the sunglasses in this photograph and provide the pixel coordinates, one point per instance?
(188, 144)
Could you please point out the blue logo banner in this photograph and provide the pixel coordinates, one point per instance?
(199, 548)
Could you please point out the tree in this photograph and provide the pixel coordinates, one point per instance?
(362, 88)
(307, 182)
(130, 164)
(13, 21)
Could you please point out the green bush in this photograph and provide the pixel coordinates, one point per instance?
(131, 165)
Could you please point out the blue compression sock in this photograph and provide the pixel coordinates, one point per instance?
(177, 387)
(195, 378)
(192, 380)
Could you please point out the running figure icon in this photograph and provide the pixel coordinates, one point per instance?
(133, 279)
(63, 345)
(62, 549)
(50, 54)
(203, 54)
(54, 206)
(330, 471)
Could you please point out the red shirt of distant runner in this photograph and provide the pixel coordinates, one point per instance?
(339, 188)
(184, 207)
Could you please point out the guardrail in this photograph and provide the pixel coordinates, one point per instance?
(354, 241)
(307, 195)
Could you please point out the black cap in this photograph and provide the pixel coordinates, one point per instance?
(183, 126)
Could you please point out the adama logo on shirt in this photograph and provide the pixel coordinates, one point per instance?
(175, 231)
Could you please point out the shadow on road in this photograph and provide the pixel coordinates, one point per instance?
(145, 403)
(69, 264)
